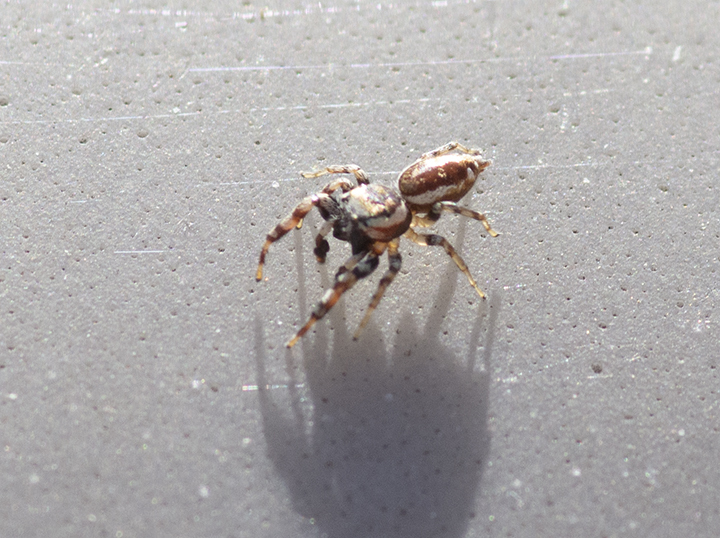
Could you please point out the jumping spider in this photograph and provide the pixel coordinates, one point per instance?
(372, 218)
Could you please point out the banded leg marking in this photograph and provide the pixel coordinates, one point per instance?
(452, 207)
(353, 169)
(425, 221)
(350, 263)
(287, 224)
(395, 263)
(322, 247)
(426, 240)
(343, 282)
(295, 219)
(447, 148)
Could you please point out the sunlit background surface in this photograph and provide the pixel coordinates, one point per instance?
(148, 147)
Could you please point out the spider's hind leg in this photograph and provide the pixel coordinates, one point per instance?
(353, 169)
(447, 148)
(426, 240)
(452, 207)
(343, 281)
(425, 221)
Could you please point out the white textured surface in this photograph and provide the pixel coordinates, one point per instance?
(147, 148)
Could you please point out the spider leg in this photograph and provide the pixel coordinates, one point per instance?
(447, 148)
(343, 282)
(424, 221)
(350, 263)
(395, 263)
(322, 247)
(287, 224)
(296, 217)
(353, 169)
(438, 240)
(452, 207)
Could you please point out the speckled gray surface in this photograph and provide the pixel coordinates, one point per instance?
(147, 148)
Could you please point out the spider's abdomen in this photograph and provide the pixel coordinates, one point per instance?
(379, 212)
(446, 178)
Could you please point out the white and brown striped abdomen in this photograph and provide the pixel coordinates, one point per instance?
(446, 178)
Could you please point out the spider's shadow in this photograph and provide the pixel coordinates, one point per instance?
(383, 444)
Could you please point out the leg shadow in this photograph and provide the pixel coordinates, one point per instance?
(384, 444)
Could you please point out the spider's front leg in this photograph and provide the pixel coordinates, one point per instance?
(296, 217)
(343, 281)
(353, 169)
(322, 247)
(426, 240)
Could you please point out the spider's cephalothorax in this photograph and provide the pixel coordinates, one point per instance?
(372, 218)
(364, 215)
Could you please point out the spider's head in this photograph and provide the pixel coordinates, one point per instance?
(376, 212)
